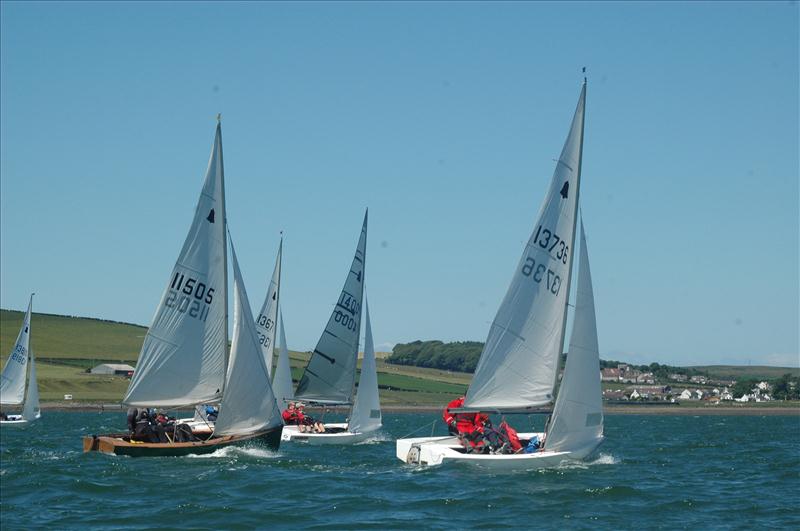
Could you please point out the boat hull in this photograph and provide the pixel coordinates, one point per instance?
(293, 434)
(434, 451)
(116, 444)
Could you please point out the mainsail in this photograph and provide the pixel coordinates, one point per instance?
(183, 358)
(330, 374)
(518, 365)
(578, 412)
(366, 413)
(267, 317)
(248, 404)
(12, 380)
(282, 382)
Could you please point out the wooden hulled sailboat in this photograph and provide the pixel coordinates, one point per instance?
(330, 376)
(518, 367)
(184, 360)
(13, 388)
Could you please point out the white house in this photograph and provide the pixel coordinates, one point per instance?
(686, 395)
(635, 394)
(116, 369)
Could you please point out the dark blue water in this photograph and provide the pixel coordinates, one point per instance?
(653, 472)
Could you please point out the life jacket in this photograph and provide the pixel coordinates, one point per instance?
(450, 417)
(511, 435)
(289, 417)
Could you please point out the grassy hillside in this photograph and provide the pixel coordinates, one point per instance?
(57, 336)
(747, 372)
(66, 346)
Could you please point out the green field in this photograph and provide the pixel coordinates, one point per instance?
(66, 346)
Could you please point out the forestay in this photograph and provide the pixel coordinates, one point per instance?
(12, 380)
(330, 374)
(282, 382)
(578, 412)
(366, 413)
(183, 357)
(518, 365)
(30, 410)
(267, 317)
(248, 405)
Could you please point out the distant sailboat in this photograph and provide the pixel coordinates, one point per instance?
(267, 320)
(282, 379)
(518, 367)
(14, 376)
(330, 376)
(184, 359)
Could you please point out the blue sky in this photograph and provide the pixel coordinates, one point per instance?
(443, 119)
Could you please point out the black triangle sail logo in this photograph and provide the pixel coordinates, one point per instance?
(564, 190)
(210, 217)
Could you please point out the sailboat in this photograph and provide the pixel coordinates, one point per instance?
(329, 378)
(13, 378)
(282, 379)
(184, 359)
(518, 367)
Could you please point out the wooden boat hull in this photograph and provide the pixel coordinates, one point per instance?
(433, 451)
(116, 444)
(293, 434)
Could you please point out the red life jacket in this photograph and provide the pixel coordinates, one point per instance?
(446, 415)
(289, 416)
(513, 438)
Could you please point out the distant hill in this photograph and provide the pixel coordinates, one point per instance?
(747, 372)
(64, 337)
(463, 356)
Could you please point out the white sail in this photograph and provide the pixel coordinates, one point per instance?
(330, 374)
(282, 382)
(366, 413)
(248, 404)
(12, 380)
(577, 423)
(183, 358)
(518, 365)
(267, 317)
(31, 411)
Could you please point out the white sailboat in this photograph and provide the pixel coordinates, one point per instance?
(268, 316)
(15, 376)
(518, 367)
(184, 359)
(330, 376)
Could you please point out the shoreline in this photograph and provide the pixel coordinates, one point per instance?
(791, 410)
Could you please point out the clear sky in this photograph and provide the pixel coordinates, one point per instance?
(443, 119)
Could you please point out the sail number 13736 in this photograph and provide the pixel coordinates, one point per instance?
(540, 273)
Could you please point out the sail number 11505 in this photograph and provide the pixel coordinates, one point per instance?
(188, 295)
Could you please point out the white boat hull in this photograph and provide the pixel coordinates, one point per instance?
(17, 420)
(434, 451)
(293, 434)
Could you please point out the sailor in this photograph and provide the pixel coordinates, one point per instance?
(308, 420)
(132, 414)
(211, 413)
(450, 418)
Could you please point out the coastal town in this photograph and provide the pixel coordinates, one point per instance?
(625, 383)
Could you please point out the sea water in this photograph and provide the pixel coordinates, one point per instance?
(652, 472)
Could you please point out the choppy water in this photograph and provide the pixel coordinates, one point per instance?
(653, 472)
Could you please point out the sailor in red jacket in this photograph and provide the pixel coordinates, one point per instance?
(451, 419)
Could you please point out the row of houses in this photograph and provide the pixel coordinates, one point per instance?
(760, 393)
(626, 374)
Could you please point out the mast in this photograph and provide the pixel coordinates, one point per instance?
(277, 299)
(225, 253)
(574, 228)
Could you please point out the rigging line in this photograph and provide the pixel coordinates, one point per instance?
(433, 425)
